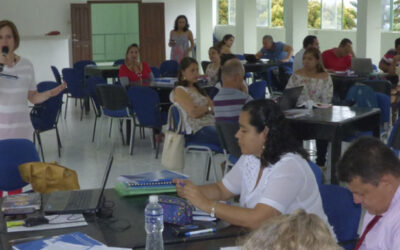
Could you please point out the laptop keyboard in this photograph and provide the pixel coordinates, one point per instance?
(79, 200)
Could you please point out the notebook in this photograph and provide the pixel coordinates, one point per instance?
(78, 201)
(361, 66)
(21, 203)
(148, 183)
(289, 98)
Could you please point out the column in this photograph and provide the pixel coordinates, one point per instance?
(369, 29)
(246, 26)
(204, 29)
(296, 18)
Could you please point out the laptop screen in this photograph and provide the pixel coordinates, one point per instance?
(105, 178)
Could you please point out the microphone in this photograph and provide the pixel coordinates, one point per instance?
(4, 52)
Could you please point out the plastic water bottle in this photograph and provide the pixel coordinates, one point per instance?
(154, 224)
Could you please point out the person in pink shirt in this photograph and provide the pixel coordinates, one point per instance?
(372, 172)
(339, 59)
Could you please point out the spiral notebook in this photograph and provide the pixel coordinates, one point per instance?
(147, 183)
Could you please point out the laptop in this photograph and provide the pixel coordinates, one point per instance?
(251, 58)
(78, 201)
(289, 98)
(361, 66)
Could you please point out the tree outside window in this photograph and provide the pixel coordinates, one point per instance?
(391, 15)
(226, 12)
(332, 14)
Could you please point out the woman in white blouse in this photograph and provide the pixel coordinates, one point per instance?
(272, 176)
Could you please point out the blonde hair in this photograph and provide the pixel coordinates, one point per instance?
(296, 231)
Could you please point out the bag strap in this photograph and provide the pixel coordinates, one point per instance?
(180, 128)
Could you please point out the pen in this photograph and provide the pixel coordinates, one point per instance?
(208, 230)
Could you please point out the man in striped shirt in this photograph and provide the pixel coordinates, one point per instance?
(390, 61)
(232, 96)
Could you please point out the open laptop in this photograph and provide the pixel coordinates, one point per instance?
(361, 66)
(78, 201)
(289, 98)
(251, 58)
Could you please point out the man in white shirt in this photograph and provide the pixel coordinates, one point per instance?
(308, 42)
(372, 172)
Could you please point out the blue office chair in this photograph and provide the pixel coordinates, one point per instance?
(394, 138)
(75, 88)
(79, 67)
(169, 68)
(155, 71)
(317, 172)
(342, 213)
(119, 62)
(240, 57)
(257, 90)
(194, 146)
(92, 83)
(13, 153)
(114, 103)
(56, 74)
(226, 133)
(45, 116)
(145, 103)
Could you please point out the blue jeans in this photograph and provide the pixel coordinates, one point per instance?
(207, 134)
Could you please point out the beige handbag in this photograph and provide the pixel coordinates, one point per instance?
(173, 152)
(48, 177)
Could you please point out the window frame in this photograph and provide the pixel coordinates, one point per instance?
(341, 18)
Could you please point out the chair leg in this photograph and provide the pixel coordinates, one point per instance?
(58, 143)
(121, 122)
(94, 128)
(109, 133)
(80, 100)
(158, 147)
(66, 106)
(40, 144)
(76, 101)
(144, 133)
(132, 142)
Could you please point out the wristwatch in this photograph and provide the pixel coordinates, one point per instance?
(212, 212)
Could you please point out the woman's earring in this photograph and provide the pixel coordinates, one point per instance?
(263, 147)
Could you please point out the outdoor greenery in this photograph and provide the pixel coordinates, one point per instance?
(396, 15)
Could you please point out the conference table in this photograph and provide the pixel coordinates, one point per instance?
(335, 124)
(259, 66)
(126, 228)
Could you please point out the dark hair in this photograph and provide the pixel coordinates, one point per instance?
(185, 63)
(317, 55)
(268, 37)
(344, 42)
(280, 139)
(369, 158)
(396, 42)
(133, 45)
(308, 40)
(216, 48)
(221, 43)
(176, 23)
(14, 30)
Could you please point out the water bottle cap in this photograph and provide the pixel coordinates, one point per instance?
(153, 198)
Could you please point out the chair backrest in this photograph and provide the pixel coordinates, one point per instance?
(169, 68)
(112, 97)
(13, 153)
(176, 116)
(226, 133)
(394, 137)
(257, 90)
(56, 74)
(155, 71)
(74, 84)
(343, 214)
(211, 91)
(119, 62)
(240, 57)
(204, 65)
(384, 105)
(46, 114)
(381, 86)
(92, 83)
(317, 172)
(145, 103)
(79, 66)
(362, 96)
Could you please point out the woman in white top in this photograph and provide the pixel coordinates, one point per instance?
(17, 85)
(318, 87)
(272, 176)
(212, 70)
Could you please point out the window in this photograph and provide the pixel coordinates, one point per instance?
(270, 13)
(391, 15)
(226, 12)
(332, 14)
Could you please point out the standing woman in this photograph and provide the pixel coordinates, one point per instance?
(15, 121)
(179, 39)
(133, 70)
(226, 44)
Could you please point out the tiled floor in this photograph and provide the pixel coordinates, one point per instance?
(89, 159)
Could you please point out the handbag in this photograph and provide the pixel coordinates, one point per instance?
(176, 210)
(48, 177)
(173, 151)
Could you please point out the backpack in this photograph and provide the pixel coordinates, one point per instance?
(362, 96)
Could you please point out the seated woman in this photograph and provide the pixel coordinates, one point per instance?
(297, 230)
(272, 176)
(318, 87)
(226, 44)
(197, 107)
(213, 68)
(317, 83)
(134, 71)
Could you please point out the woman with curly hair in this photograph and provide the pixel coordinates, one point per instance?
(272, 176)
